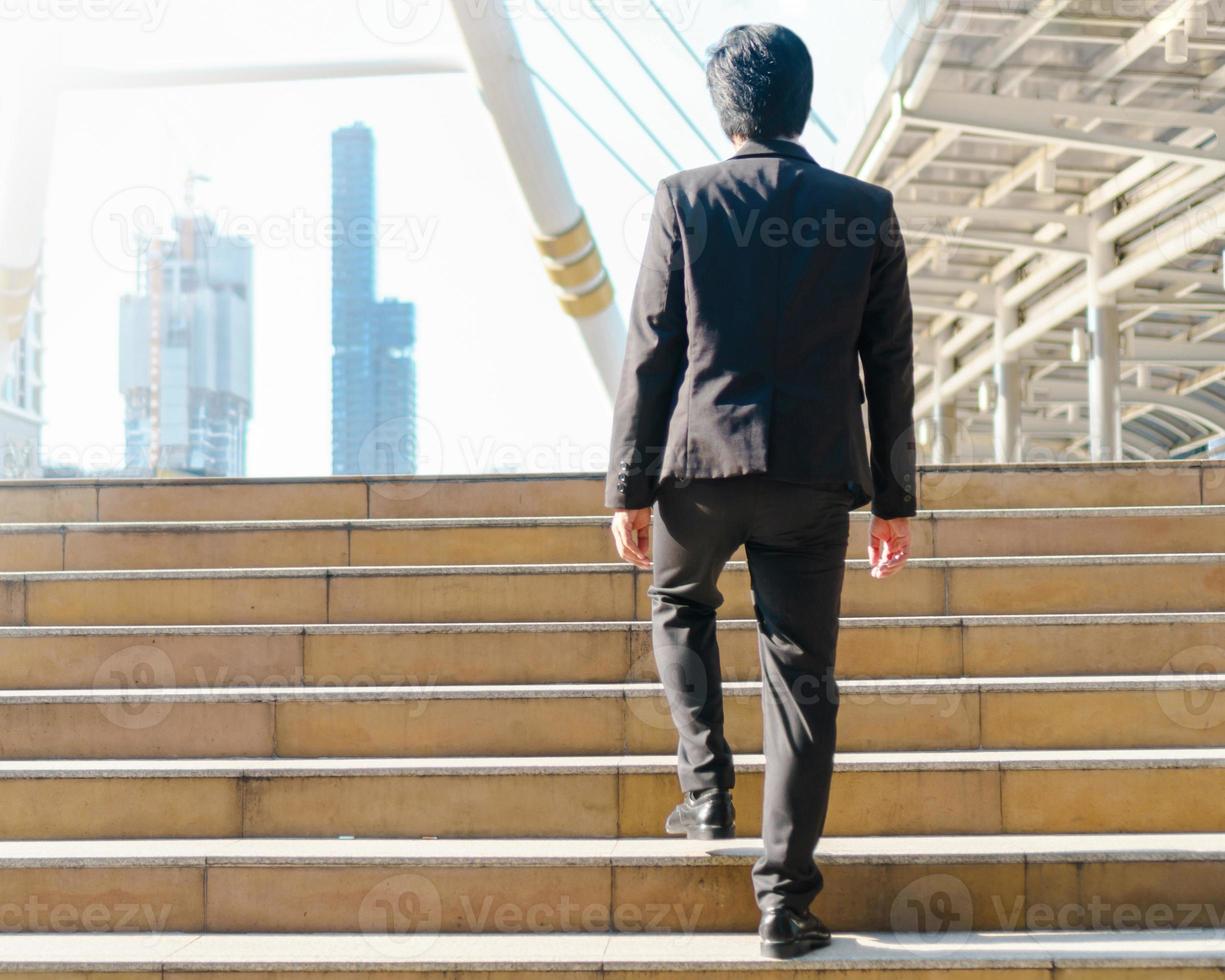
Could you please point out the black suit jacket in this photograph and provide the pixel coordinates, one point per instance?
(766, 281)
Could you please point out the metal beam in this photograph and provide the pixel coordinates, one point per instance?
(1040, 121)
(1075, 392)
(100, 79)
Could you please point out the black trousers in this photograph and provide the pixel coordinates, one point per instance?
(795, 537)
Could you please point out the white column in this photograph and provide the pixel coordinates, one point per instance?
(28, 106)
(1105, 413)
(1007, 385)
(562, 235)
(944, 419)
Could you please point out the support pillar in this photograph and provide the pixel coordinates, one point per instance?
(944, 419)
(567, 248)
(1007, 386)
(1105, 411)
(28, 107)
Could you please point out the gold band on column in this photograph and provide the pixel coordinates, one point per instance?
(595, 300)
(14, 305)
(573, 262)
(18, 280)
(571, 275)
(16, 293)
(573, 241)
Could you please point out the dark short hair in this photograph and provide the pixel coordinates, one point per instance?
(760, 78)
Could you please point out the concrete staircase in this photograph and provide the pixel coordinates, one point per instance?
(319, 728)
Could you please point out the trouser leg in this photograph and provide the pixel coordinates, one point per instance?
(697, 528)
(796, 562)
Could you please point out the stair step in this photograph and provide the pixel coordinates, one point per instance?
(196, 499)
(919, 884)
(884, 793)
(506, 540)
(593, 719)
(1148, 483)
(40, 657)
(1162, 954)
(519, 593)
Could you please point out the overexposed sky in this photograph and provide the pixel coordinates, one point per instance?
(504, 381)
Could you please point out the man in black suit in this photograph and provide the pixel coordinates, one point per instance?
(766, 282)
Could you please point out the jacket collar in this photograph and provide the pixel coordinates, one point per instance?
(774, 148)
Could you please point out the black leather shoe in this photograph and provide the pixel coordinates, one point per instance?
(786, 934)
(708, 815)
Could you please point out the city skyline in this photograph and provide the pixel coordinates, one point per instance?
(455, 235)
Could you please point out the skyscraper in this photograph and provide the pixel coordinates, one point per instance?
(373, 374)
(185, 354)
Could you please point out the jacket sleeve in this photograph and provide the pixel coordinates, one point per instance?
(886, 350)
(654, 359)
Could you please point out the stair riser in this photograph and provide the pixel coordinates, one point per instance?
(1004, 971)
(593, 595)
(1108, 486)
(400, 900)
(87, 551)
(586, 656)
(78, 550)
(601, 804)
(869, 721)
(301, 500)
(1144, 486)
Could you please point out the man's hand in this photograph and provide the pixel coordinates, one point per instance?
(888, 545)
(631, 530)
